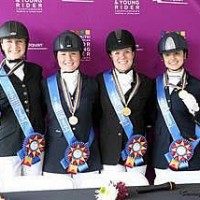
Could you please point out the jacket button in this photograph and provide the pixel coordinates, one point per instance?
(26, 101)
(119, 134)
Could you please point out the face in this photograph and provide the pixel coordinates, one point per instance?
(174, 61)
(14, 48)
(69, 60)
(123, 59)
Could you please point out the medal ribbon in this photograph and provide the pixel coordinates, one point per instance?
(72, 108)
(167, 84)
(118, 107)
(25, 153)
(60, 114)
(133, 92)
(169, 119)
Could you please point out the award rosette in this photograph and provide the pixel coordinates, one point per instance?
(76, 156)
(32, 148)
(136, 147)
(180, 152)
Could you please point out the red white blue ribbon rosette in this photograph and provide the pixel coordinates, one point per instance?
(76, 156)
(135, 149)
(32, 148)
(180, 152)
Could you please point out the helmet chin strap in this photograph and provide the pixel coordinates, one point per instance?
(128, 70)
(124, 72)
(14, 61)
(176, 70)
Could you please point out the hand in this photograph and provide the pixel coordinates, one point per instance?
(191, 103)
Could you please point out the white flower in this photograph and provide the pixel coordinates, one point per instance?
(109, 192)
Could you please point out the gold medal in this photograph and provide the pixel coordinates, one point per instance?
(73, 120)
(126, 111)
(182, 94)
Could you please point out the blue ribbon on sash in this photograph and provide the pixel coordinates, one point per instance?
(23, 121)
(118, 107)
(63, 122)
(171, 124)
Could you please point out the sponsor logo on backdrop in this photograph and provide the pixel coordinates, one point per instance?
(177, 2)
(182, 33)
(86, 37)
(127, 7)
(37, 46)
(78, 1)
(28, 6)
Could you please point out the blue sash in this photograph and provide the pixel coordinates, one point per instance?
(124, 120)
(178, 140)
(66, 128)
(38, 143)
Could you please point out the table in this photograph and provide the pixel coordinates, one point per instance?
(182, 192)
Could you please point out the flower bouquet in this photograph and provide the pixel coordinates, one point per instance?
(113, 191)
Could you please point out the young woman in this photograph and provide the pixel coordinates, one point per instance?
(124, 100)
(22, 118)
(71, 99)
(176, 144)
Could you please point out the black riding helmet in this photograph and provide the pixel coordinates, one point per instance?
(14, 29)
(68, 41)
(172, 42)
(120, 39)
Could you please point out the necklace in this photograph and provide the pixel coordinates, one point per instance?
(73, 120)
(126, 111)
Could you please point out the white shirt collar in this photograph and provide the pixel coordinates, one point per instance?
(125, 80)
(71, 80)
(19, 72)
(175, 77)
